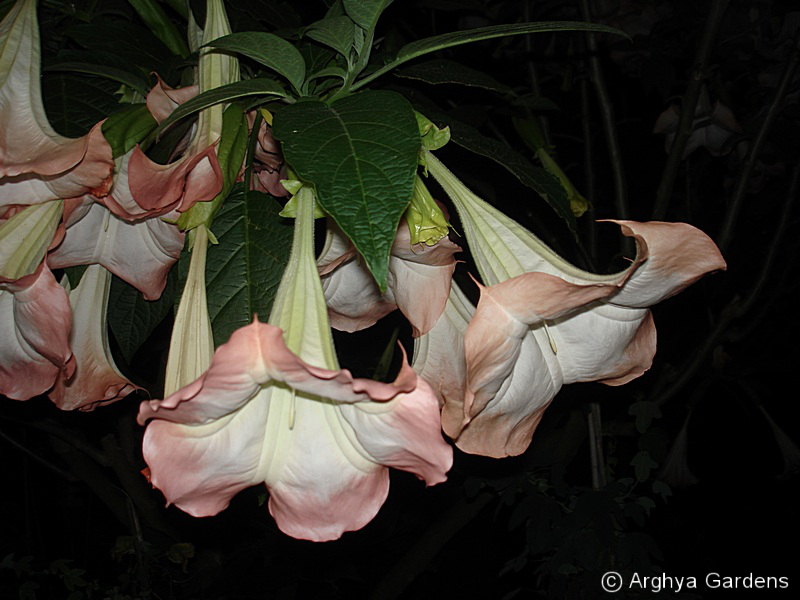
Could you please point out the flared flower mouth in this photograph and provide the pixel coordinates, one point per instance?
(542, 322)
(274, 407)
(36, 163)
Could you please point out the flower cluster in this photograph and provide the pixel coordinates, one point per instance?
(272, 405)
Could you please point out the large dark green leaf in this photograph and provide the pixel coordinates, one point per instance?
(268, 49)
(132, 80)
(132, 318)
(365, 13)
(361, 154)
(126, 128)
(159, 23)
(457, 38)
(74, 104)
(441, 71)
(243, 271)
(225, 93)
(334, 32)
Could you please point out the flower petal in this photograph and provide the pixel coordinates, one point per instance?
(35, 322)
(439, 359)
(25, 237)
(160, 189)
(141, 253)
(322, 461)
(254, 356)
(678, 256)
(96, 380)
(92, 174)
(163, 99)
(28, 144)
(418, 282)
(353, 299)
(584, 332)
(420, 277)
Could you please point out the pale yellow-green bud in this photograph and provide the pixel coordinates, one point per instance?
(426, 221)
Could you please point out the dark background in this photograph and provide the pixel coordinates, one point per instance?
(78, 521)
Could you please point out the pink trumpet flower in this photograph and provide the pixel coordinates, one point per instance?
(418, 282)
(140, 252)
(35, 322)
(274, 407)
(96, 381)
(36, 163)
(542, 323)
(196, 176)
(269, 164)
(34, 310)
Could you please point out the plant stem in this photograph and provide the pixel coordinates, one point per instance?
(588, 169)
(726, 233)
(596, 447)
(607, 114)
(688, 107)
(736, 308)
(532, 75)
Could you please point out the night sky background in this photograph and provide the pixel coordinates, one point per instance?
(700, 457)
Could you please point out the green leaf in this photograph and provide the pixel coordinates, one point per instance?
(74, 103)
(365, 13)
(442, 71)
(361, 154)
(545, 184)
(225, 93)
(126, 128)
(457, 38)
(75, 274)
(132, 318)
(643, 464)
(335, 32)
(268, 49)
(329, 72)
(159, 23)
(662, 489)
(244, 269)
(124, 77)
(644, 411)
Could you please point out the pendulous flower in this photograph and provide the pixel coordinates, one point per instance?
(141, 252)
(542, 323)
(196, 176)
(96, 381)
(421, 265)
(275, 407)
(36, 163)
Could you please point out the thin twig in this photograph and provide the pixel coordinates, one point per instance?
(726, 233)
(588, 168)
(30, 453)
(532, 74)
(737, 308)
(609, 122)
(772, 254)
(688, 107)
(596, 447)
